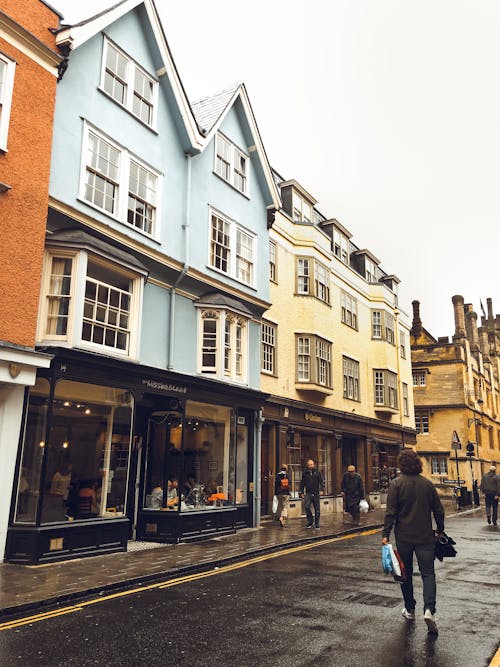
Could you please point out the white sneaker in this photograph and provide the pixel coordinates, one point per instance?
(431, 622)
(410, 615)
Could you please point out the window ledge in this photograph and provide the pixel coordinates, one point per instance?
(313, 387)
(386, 410)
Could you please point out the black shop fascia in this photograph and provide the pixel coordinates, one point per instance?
(114, 451)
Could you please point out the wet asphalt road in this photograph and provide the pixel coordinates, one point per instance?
(330, 605)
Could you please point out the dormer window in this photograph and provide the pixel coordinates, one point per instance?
(231, 163)
(302, 210)
(127, 83)
(340, 246)
(370, 268)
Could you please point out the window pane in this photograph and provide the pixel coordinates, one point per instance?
(59, 296)
(209, 449)
(88, 453)
(220, 244)
(163, 461)
(28, 483)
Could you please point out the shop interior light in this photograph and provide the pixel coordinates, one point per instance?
(87, 411)
(65, 444)
(41, 444)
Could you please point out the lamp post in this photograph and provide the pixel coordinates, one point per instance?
(470, 451)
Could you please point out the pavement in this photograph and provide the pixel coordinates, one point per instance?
(24, 587)
(324, 603)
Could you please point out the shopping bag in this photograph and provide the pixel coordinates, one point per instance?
(387, 559)
(275, 504)
(399, 573)
(363, 505)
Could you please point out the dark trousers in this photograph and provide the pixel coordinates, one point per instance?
(312, 499)
(352, 507)
(425, 554)
(491, 504)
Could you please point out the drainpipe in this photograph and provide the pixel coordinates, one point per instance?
(259, 420)
(185, 268)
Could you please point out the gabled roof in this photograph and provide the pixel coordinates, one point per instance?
(74, 36)
(202, 119)
(210, 113)
(208, 110)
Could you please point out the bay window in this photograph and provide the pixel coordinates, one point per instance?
(313, 355)
(385, 388)
(312, 279)
(90, 302)
(223, 348)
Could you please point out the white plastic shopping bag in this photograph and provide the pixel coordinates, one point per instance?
(275, 504)
(363, 506)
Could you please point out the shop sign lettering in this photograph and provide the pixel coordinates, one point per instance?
(153, 384)
(310, 417)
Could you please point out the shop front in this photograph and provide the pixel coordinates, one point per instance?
(112, 451)
(294, 432)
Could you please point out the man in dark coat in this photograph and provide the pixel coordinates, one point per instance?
(352, 488)
(312, 486)
(411, 502)
(490, 486)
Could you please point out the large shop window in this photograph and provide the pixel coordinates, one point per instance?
(196, 463)
(87, 450)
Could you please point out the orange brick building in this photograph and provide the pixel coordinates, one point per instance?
(28, 75)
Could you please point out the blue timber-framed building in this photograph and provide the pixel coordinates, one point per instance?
(147, 423)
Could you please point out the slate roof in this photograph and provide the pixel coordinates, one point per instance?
(80, 239)
(208, 110)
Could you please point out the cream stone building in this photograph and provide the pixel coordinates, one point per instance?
(456, 390)
(335, 354)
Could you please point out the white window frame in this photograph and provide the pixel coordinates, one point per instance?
(340, 246)
(73, 336)
(370, 270)
(419, 378)
(123, 183)
(235, 259)
(406, 403)
(129, 82)
(269, 342)
(232, 172)
(349, 310)
(385, 388)
(6, 92)
(304, 275)
(350, 372)
(382, 326)
(439, 465)
(273, 261)
(322, 282)
(402, 344)
(313, 355)
(302, 210)
(230, 345)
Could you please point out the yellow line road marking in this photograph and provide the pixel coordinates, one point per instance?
(9, 625)
(495, 662)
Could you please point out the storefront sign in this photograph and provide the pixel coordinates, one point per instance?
(310, 417)
(153, 384)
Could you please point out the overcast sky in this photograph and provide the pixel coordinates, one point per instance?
(387, 111)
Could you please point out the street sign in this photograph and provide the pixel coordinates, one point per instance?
(455, 441)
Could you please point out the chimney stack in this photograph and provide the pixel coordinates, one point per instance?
(483, 342)
(472, 329)
(489, 306)
(458, 308)
(416, 327)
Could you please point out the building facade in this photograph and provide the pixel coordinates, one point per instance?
(153, 285)
(456, 391)
(335, 355)
(29, 64)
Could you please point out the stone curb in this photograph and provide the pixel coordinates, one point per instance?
(8, 612)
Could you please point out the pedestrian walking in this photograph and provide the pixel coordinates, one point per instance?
(411, 502)
(353, 492)
(311, 487)
(490, 486)
(282, 489)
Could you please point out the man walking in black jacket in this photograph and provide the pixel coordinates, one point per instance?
(490, 486)
(353, 491)
(411, 502)
(312, 485)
